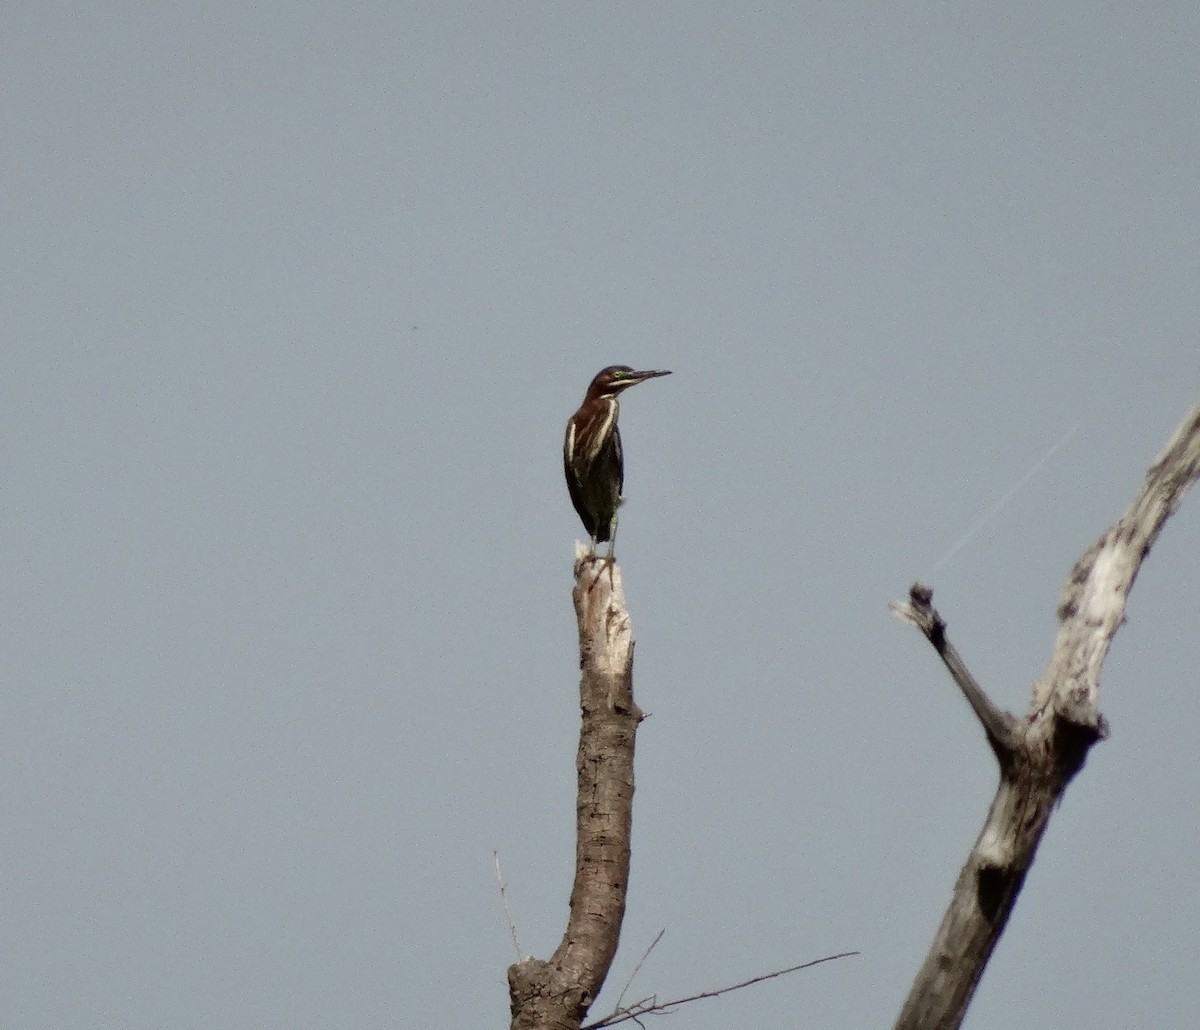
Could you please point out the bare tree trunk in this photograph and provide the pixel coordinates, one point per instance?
(557, 993)
(1040, 753)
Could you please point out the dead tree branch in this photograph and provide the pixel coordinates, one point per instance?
(555, 994)
(1040, 754)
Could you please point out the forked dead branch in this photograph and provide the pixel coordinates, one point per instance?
(1039, 753)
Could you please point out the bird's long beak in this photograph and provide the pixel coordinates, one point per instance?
(653, 373)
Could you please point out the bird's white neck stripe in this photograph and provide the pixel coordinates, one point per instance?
(597, 440)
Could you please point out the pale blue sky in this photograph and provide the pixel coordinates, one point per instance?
(298, 298)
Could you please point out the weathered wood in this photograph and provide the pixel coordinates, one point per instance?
(1040, 754)
(556, 994)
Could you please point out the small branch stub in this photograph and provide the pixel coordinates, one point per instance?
(1000, 727)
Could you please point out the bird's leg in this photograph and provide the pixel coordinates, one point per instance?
(607, 562)
(612, 543)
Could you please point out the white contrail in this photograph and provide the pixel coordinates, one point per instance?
(994, 510)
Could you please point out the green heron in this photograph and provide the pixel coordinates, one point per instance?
(592, 456)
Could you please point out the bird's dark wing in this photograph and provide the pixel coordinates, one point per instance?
(574, 487)
(620, 455)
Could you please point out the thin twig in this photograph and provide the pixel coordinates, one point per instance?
(512, 926)
(642, 1009)
(637, 967)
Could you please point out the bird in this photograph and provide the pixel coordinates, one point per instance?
(592, 457)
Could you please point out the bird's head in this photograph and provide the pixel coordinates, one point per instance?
(612, 380)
